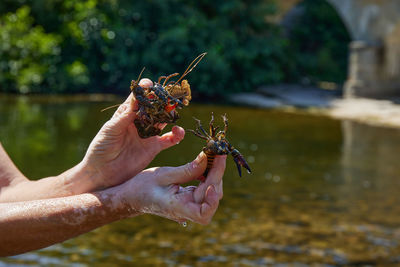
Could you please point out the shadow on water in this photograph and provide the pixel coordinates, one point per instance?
(322, 191)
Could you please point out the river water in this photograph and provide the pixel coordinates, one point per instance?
(322, 191)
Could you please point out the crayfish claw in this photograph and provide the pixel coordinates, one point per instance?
(240, 161)
(238, 166)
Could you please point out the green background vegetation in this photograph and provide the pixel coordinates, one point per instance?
(90, 46)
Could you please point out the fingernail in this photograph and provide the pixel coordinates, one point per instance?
(211, 190)
(212, 187)
(178, 134)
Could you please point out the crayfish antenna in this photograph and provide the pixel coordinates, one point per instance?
(136, 83)
(110, 107)
(191, 66)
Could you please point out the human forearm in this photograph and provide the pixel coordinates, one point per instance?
(77, 180)
(14, 186)
(30, 225)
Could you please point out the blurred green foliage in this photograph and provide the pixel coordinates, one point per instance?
(28, 54)
(319, 43)
(100, 45)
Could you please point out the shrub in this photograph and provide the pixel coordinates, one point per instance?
(106, 43)
(28, 54)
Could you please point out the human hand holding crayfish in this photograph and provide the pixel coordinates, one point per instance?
(122, 149)
(158, 191)
(117, 153)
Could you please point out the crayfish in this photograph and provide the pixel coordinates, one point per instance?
(217, 144)
(157, 104)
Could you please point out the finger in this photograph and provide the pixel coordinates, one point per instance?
(214, 177)
(129, 104)
(121, 118)
(125, 110)
(210, 205)
(219, 189)
(217, 170)
(171, 138)
(198, 213)
(185, 173)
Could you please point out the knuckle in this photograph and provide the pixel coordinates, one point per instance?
(157, 171)
(187, 170)
(109, 126)
(122, 107)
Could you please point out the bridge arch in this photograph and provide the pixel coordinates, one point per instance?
(318, 39)
(374, 57)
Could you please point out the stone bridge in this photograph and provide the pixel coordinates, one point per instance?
(374, 58)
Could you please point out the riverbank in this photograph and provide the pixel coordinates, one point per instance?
(375, 112)
(313, 100)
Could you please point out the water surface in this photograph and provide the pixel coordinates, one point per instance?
(322, 191)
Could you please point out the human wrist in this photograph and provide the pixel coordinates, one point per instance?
(126, 199)
(82, 178)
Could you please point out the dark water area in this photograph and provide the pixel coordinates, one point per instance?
(323, 192)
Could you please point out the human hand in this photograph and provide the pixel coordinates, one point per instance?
(117, 153)
(158, 191)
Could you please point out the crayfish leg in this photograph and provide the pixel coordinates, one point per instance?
(212, 129)
(225, 122)
(201, 127)
(196, 133)
(160, 78)
(169, 77)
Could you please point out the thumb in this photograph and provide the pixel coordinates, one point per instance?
(122, 117)
(186, 173)
(125, 110)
